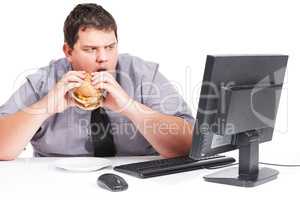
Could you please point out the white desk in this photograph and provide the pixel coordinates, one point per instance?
(36, 178)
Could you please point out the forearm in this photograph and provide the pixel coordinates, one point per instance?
(18, 129)
(169, 135)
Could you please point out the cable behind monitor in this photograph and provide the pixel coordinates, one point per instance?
(262, 163)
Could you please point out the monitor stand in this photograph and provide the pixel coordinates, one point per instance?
(248, 174)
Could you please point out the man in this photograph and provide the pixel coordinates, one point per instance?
(143, 112)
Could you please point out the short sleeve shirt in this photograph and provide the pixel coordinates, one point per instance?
(68, 133)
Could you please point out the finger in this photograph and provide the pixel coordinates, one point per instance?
(105, 86)
(73, 78)
(103, 77)
(71, 101)
(80, 74)
(71, 86)
(105, 74)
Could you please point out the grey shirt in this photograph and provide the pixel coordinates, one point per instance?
(68, 133)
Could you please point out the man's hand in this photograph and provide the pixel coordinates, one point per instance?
(117, 99)
(58, 97)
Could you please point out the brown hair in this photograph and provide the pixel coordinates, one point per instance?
(87, 16)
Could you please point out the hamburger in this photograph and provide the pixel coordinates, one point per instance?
(86, 96)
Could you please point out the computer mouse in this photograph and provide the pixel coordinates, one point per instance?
(112, 182)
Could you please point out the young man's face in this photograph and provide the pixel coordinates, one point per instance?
(95, 50)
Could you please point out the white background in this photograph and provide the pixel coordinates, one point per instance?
(176, 34)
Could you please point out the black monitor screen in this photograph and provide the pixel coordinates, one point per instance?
(238, 93)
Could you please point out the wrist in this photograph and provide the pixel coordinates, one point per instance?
(131, 109)
(138, 112)
(38, 110)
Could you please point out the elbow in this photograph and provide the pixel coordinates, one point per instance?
(183, 150)
(7, 157)
(168, 155)
(174, 154)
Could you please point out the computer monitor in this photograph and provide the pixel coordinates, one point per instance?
(237, 110)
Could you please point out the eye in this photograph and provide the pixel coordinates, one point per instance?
(90, 50)
(110, 47)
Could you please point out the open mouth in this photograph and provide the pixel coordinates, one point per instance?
(101, 70)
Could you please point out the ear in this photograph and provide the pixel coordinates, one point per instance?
(68, 52)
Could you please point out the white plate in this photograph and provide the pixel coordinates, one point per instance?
(82, 164)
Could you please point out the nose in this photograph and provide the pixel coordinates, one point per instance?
(101, 56)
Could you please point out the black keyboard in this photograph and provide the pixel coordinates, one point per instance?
(172, 165)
